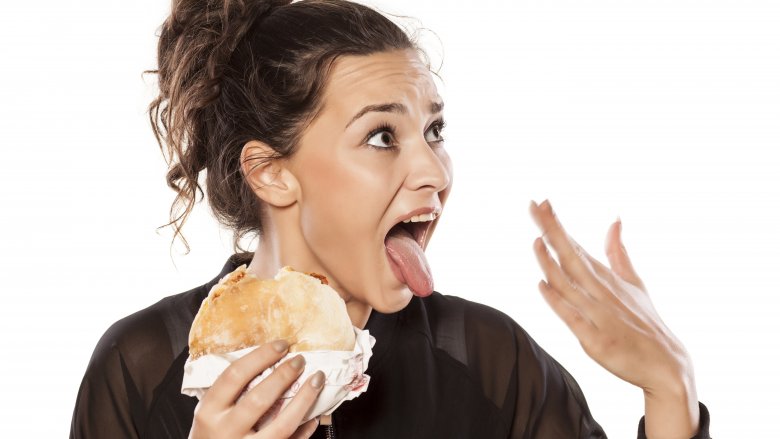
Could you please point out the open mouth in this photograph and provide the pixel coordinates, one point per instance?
(417, 226)
(417, 230)
(404, 247)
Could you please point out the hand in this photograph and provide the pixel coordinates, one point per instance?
(219, 415)
(610, 312)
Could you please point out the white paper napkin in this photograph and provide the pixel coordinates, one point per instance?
(344, 377)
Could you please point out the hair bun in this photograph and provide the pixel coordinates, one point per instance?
(200, 35)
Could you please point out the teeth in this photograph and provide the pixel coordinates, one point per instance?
(421, 218)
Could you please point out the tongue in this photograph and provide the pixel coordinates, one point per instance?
(409, 259)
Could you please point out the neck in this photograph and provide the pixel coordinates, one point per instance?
(280, 247)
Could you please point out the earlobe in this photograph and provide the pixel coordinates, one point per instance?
(266, 175)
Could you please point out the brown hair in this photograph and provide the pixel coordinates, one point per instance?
(231, 71)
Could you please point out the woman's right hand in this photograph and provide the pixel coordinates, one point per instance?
(218, 414)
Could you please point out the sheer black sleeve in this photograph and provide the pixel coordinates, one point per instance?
(115, 393)
(537, 397)
(549, 402)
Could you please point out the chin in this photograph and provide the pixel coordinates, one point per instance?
(395, 300)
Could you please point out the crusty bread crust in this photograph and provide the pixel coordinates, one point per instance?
(242, 311)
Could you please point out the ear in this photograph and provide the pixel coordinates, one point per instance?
(267, 176)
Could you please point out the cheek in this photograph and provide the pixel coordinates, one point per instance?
(342, 204)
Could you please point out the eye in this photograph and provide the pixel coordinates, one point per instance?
(385, 133)
(436, 127)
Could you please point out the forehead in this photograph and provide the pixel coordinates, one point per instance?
(398, 75)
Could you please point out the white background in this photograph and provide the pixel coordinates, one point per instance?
(666, 113)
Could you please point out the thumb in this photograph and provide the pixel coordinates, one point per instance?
(617, 255)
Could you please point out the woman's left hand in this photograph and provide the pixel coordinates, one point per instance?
(608, 309)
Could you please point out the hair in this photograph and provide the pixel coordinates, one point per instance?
(231, 71)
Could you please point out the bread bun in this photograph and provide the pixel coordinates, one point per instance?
(242, 311)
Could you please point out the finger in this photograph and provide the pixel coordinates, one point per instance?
(232, 381)
(618, 256)
(306, 429)
(600, 269)
(559, 280)
(582, 327)
(571, 258)
(257, 401)
(292, 415)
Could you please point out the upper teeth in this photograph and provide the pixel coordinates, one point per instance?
(421, 218)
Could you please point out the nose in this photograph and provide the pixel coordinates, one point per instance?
(426, 168)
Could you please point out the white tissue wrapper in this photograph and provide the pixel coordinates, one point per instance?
(344, 377)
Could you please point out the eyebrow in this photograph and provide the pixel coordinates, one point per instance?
(392, 107)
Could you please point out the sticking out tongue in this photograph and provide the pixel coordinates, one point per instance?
(408, 262)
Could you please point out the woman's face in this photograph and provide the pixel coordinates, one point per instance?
(358, 177)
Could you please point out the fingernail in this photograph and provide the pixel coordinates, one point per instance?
(318, 380)
(297, 362)
(280, 345)
(546, 204)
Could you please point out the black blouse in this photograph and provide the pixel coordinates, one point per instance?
(441, 367)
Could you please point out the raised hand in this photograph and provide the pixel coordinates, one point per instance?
(610, 312)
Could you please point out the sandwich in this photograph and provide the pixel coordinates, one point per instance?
(242, 311)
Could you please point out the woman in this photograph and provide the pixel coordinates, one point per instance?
(318, 126)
